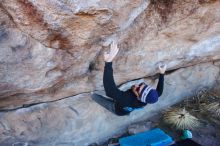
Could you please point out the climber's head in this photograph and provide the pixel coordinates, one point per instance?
(145, 93)
(137, 88)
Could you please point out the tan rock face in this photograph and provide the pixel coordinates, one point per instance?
(79, 120)
(53, 49)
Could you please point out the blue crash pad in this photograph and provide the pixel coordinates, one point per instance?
(155, 137)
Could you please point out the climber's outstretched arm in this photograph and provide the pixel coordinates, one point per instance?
(108, 79)
(162, 69)
(109, 83)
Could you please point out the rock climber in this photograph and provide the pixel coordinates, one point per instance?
(134, 98)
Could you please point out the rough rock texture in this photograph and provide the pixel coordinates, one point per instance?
(51, 50)
(78, 120)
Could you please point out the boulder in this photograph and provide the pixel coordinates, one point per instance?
(53, 49)
(51, 59)
(79, 120)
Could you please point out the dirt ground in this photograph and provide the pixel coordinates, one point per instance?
(207, 134)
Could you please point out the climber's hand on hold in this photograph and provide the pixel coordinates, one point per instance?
(108, 57)
(162, 68)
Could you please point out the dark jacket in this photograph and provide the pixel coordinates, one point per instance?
(124, 99)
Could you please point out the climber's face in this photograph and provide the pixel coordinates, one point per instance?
(137, 88)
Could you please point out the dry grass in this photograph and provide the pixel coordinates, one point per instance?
(214, 108)
(180, 119)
